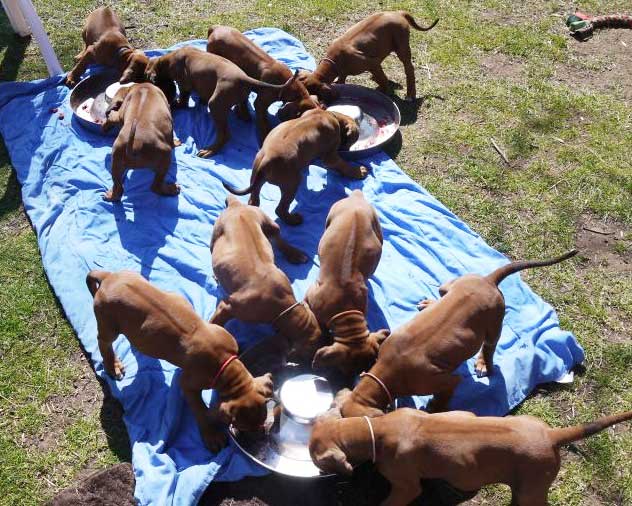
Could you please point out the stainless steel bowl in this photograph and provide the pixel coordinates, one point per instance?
(377, 116)
(285, 448)
(88, 101)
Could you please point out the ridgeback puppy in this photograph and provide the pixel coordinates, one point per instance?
(254, 61)
(349, 252)
(419, 357)
(363, 48)
(163, 325)
(219, 82)
(458, 447)
(291, 146)
(146, 137)
(106, 44)
(258, 291)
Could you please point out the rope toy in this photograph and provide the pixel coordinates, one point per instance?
(582, 25)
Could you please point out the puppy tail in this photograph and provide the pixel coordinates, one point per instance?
(255, 180)
(413, 23)
(570, 434)
(94, 280)
(501, 273)
(236, 191)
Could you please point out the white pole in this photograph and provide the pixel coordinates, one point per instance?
(29, 13)
(16, 18)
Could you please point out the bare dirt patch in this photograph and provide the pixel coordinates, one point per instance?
(602, 63)
(500, 65)
(605, 243)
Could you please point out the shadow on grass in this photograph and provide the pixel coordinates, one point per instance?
(14, 48)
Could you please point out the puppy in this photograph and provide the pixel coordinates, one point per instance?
(145, 139)
(291, 146)
(258, 291)
(106, 44)
(419, 357)
(349, 252)
(219, 82)
(254, 61)
(163, 325)
(467, 451)
(363, 48)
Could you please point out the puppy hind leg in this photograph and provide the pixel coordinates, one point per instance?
(288, 192)
(485, 361)
(403, 53)
(118, 171)
(531, 495)
(160, 187)
(219, 109)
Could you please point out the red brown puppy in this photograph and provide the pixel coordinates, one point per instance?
(258, 291)
(163, 325)
(254, 61)
(362, 48)
(467, 451)
(106, 44)
(419, 357)
(349, 252)
(146, 137)
(291, 146)
(219, 82)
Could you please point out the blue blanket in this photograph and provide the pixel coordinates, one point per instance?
(64, 171)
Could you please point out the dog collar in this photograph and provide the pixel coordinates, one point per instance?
(333, 64)
(381, 383)
(122, 49)
(368, 421)
(286, 311)
(222, 369)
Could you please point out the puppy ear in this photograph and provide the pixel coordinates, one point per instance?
(264, 385)
(128, 75)
(328, 356)
(349, 131)
(334, 460)
(225, 413)
(445, 288)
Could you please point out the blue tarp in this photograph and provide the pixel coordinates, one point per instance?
(64, 171)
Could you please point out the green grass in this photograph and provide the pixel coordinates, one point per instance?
(496, 65)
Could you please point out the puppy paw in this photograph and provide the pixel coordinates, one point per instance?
(177, 143)
(409, 99)
(117, 370)
(481, 370)
(292, 219)
(296, 257)
(214, 439)
(425, 303)
(71, 81)
(110, 196)
(167, 189)
(205, 153)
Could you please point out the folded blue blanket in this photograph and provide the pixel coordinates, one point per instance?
(64, 171)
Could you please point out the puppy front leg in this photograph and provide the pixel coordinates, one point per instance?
(378, 75)
(85, 59)
(111, 363)
(261, 113)
(405, 487)
(335, 162)
(214, 439)
(442, 396)
(222, 314)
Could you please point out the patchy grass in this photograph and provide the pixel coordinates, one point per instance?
(560, 111)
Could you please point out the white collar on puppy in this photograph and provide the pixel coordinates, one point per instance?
(368, 421)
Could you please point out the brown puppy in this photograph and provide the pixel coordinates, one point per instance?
(349, 252)
(420, 356)
(254, 61)
(163, 325)
(218, 82)
(467, 451)
(145, 139)
(258, 291)
(291, 146)
(363, 48)
(106, 44)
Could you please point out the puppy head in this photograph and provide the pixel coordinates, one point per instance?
(324, 451)
(248, 412)
(118, 99)
(350, 359)
(135, 70)
(315, 86)
(295, 109)
(349, 131)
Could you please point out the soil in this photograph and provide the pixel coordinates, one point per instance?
(605, 243)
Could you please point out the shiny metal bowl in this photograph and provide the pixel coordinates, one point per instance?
(284, 448)
(376, 114)
(89, 103)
